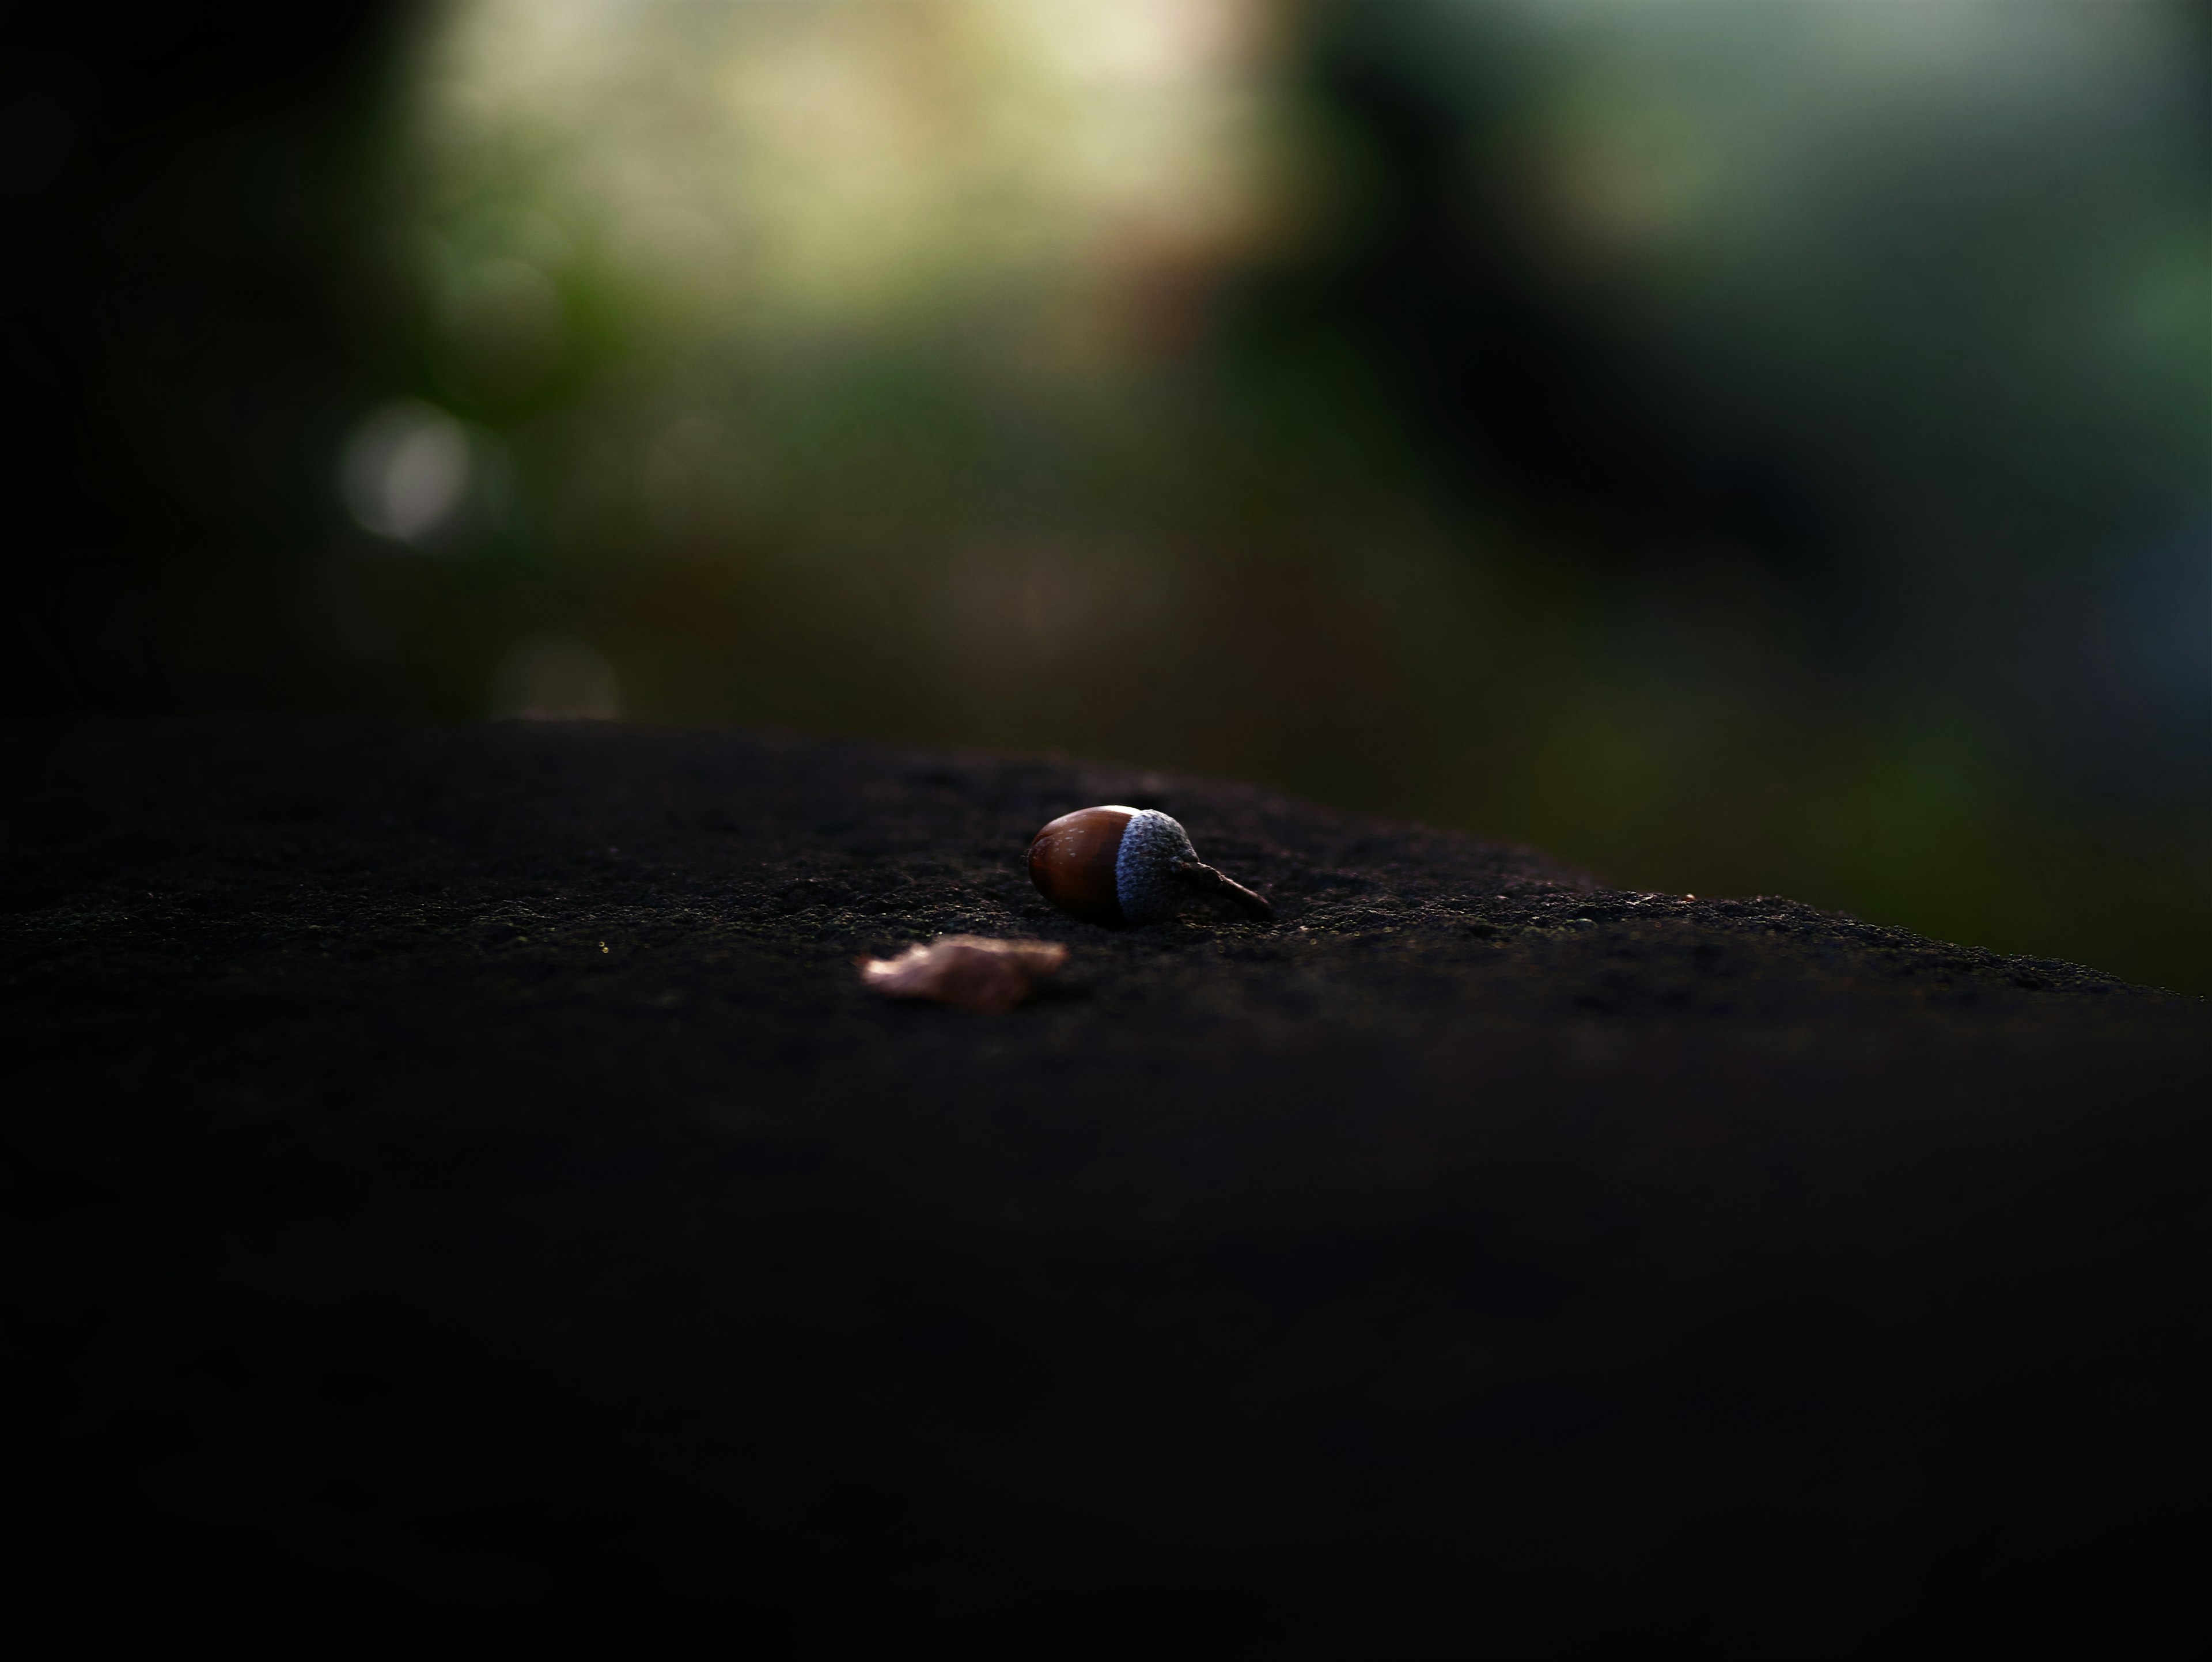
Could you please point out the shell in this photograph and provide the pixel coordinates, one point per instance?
(968, 972)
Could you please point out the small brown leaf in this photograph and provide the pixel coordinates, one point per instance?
(968, 972)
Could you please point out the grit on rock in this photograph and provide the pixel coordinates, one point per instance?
(462, 1197)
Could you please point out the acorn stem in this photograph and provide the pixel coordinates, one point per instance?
(1201, 876)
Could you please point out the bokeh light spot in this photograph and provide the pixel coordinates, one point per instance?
(405, 470)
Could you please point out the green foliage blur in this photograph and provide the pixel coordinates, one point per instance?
(1738, 448)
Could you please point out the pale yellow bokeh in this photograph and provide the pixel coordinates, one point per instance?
(783, 169)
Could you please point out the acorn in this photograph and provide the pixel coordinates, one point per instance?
(1114, 865)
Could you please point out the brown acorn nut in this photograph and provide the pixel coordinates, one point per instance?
(1114, 865)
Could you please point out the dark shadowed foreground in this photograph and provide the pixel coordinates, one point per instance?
(461, 1198)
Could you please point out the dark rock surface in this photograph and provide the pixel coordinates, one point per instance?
(460, 1197)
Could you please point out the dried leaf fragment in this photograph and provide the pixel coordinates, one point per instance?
(968, 972)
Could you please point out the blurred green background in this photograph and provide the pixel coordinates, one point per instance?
(1736, 447)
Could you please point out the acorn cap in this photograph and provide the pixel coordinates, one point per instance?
(1115, 865)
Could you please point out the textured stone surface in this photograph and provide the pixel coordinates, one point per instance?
(458, 1186)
